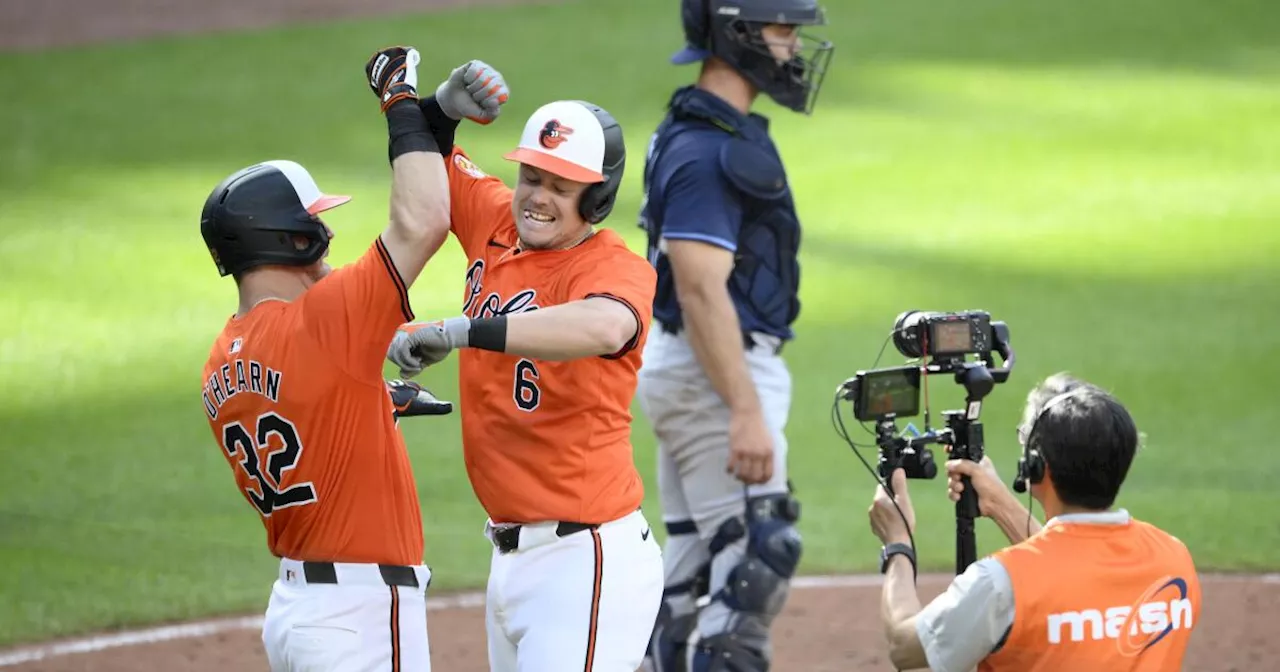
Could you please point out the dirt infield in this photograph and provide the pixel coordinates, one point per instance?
(827, 626)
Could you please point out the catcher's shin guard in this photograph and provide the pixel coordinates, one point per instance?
(756, 589)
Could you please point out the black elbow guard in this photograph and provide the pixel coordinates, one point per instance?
(441, 125)
(407, 131)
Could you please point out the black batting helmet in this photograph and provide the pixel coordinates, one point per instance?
(732, 30)
(253, 217)
(579, 141)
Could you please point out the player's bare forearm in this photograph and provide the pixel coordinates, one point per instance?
(419, 211)
(899, 605)
(586, 328)
(716, 337)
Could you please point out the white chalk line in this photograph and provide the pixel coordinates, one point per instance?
(458, 601)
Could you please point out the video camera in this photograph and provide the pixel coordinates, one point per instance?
(942, 342)
(946, 337)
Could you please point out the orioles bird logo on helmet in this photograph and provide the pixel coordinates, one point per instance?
(553, 134)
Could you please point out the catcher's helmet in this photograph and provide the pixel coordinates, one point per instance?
(253, 216)
(579, 141)
(731, 30)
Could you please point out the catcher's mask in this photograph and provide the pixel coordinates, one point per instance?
(732, 30)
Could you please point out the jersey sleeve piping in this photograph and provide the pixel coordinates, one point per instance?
(631, 344)
(405, 309)
(704, 238)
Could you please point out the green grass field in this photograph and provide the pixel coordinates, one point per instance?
(1105, 177)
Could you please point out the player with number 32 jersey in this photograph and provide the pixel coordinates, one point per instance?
(294, 394)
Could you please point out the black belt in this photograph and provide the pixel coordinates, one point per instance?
(748, 341)
(392, 575)
(507, 539)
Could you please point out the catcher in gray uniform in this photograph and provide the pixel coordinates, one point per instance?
(723, 236)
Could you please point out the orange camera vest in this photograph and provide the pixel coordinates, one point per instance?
(1098, 597)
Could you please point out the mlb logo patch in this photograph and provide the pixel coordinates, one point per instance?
(235, 346)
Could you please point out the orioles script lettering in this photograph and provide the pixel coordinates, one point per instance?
(493, 304)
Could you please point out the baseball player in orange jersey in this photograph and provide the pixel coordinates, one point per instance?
(554, 316)
(294, 393)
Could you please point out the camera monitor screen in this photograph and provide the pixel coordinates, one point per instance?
(886, 391)
(952, 337)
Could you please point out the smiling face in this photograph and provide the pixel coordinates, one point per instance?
(545, 207)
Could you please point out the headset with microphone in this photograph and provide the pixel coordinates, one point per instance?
(1031, 464)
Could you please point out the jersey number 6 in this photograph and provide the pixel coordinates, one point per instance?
(526, 393)
(235, 438)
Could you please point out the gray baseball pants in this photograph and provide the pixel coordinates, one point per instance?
(691, 424)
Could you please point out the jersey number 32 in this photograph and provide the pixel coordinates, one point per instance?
(269, 497)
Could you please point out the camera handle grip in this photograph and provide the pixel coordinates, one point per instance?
(966, 512)
(967, 506)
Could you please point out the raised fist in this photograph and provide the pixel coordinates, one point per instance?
(393, 75)
(418, 345)
(475, 90)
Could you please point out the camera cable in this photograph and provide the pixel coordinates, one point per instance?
(837, 421)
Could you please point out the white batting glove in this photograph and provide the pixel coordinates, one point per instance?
(475, 90)
(418, 345)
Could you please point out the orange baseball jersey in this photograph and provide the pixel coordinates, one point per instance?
(295, 397)
(1120, 598)
(545, 440)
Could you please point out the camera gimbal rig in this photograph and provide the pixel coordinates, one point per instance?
(883, 395)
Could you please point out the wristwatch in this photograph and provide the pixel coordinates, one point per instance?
(891, 550)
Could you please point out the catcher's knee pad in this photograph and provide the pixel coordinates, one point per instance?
(756, 589)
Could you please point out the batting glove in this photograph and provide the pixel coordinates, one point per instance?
(393, 75)
(475, 90)
(411, 399)
(418, 345)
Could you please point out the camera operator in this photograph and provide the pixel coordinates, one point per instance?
(1094, 589)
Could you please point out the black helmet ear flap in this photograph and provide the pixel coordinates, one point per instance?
(598, 199)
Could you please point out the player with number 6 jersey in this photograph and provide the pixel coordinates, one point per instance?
(295, 397)
(554, 316)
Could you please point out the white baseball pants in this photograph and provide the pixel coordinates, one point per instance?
(585, 601)
(357, 624)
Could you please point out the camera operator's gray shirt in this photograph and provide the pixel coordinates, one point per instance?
(972, 618)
